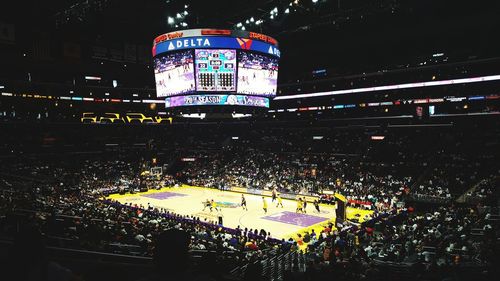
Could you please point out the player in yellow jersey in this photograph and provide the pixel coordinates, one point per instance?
(214, 206)
(264, 204)
(299, 206)
(280, 201)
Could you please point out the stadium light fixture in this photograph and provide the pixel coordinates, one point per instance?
(186, 13)
(315, 1)
(179, 16)
(239, 24)
(194, 115)
(247, 21)
(170, 20)
(393, 87)
(240, 115)
(287, 11)
(252, 19)
(243, 28)
(96, 78)
(2, 87)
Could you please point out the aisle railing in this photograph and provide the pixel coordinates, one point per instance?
(275, 267)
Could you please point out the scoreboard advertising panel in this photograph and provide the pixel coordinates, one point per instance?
(216, 67)
(208, 99)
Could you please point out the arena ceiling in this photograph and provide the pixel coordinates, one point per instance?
(346, 32)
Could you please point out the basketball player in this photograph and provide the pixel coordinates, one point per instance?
(244, 202)
(273, 194)
(305, 205)
(214, 206)
(299, 205)
(206, 204)
(316, 205)
(280, 202)
(264, 204)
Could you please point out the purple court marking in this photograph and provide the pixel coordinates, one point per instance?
(163, 195)
(295, 218)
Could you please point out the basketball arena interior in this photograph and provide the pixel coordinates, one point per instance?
(236, 140)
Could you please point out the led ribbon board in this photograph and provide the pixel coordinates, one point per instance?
(216, 42)
(233, 100)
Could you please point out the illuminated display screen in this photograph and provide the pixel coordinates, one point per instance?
(208, 99)
(174, 73)
(257, 74)
(215, 67)
(215, 70)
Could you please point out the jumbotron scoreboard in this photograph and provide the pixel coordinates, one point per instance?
(215, 70)
(198, 67)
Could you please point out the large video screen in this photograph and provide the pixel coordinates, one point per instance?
(257, 74)
(174, 73)
(215, 70)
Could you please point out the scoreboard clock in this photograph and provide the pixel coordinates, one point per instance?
(215, 70)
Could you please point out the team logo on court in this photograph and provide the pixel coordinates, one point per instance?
(225, 204)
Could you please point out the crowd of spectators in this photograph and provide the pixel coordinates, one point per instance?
(432, 242)
(68, 206)
(484, 190)
(299, 173)
(62, 195)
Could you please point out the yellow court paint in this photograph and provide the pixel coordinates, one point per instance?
(188, 201)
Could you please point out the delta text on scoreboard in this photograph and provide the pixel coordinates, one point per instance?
(215, 67)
